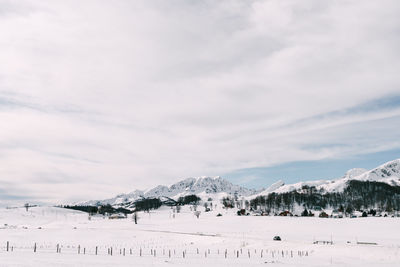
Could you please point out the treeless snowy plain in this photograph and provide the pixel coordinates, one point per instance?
(164, 240)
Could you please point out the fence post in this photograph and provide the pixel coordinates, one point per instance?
(96, 250)
(34, 247)
(8, 244)
(79, 249)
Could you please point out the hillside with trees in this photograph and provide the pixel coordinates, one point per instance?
(357, 195)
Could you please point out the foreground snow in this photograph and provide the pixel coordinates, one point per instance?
(204, 240)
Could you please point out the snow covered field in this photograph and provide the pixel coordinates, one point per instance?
(159, 239)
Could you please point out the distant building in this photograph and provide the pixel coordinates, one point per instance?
(285, 213)
(117, 216)
(337, 214)
(323, 214)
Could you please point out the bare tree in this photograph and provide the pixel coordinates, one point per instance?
(135, 217)
(247, 204)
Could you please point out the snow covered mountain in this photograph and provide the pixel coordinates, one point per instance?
(204, 187)
(217, 187)
(386, 173)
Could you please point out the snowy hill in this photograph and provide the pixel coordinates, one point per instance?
(204, 187)
(386, 173)
(272, 188)
(163, 230)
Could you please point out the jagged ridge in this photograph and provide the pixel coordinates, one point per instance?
(202, 186)
(216, 186)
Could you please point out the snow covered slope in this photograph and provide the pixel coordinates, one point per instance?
(202, 186)
(387, 173)
(159, 232)
(272, 188)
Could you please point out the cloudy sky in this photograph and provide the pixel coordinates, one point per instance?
(103, 97)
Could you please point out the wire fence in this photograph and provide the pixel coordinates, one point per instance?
(165, 252)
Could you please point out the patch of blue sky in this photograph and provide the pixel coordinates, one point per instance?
(383, 103)
(293, 172)
(388, 102)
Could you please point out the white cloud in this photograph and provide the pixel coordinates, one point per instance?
(99, 97)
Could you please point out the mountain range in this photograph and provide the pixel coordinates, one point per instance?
(217, 187)
(204, 187)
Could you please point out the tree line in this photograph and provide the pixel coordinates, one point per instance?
(357, 195)
(102, 209)
(144, 204)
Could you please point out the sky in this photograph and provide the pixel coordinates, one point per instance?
(103, 97)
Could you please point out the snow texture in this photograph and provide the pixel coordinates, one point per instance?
(366, 242)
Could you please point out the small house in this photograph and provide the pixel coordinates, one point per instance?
(323, 214)
(337, 214)
(285, 213)
(117, 216)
